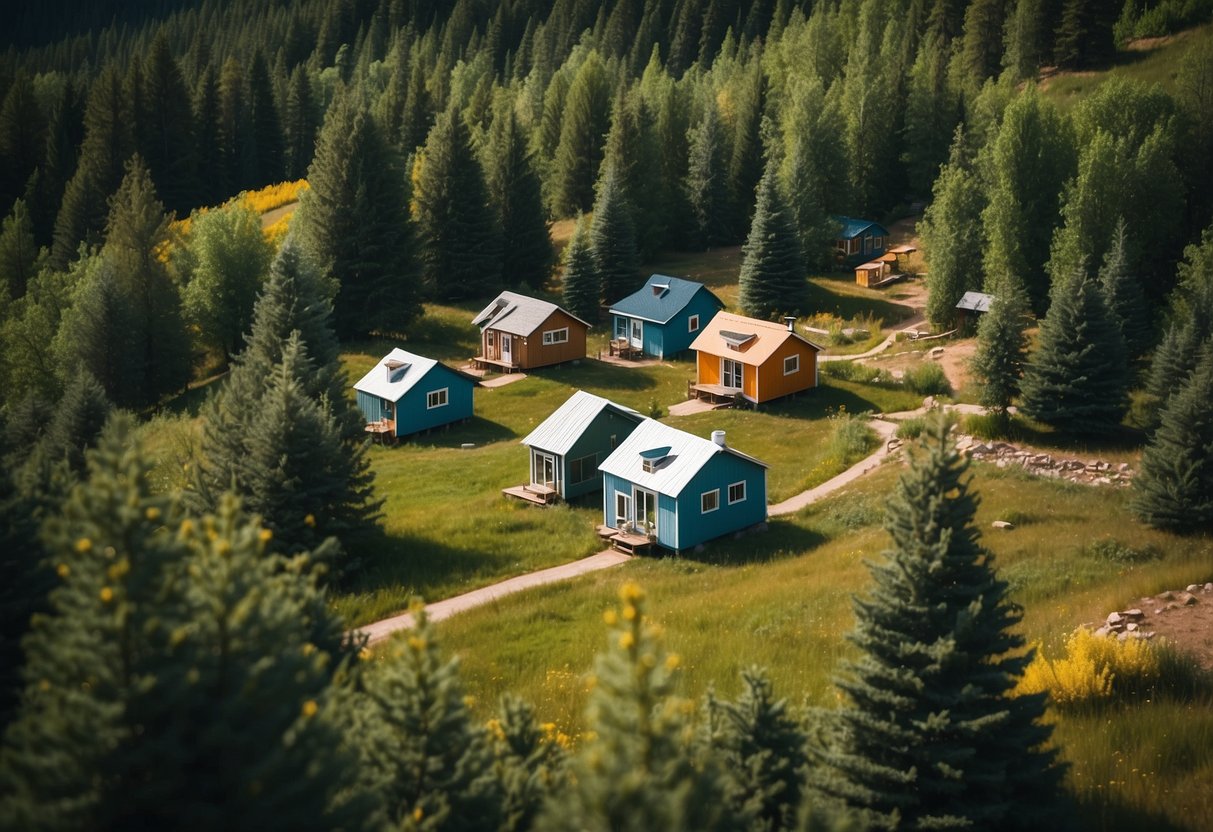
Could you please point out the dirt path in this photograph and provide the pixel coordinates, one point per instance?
(909, 326)
(271, 217)
(885, 430)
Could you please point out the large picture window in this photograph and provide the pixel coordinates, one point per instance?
(436, 398)
(583, 469)
(556, 336)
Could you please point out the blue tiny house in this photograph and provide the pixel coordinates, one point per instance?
(406, 393)
(567, 447)
(680, 489)
(858, 241)
(664, 316)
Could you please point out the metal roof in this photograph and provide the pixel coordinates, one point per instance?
(975, 302)
(405, 369)
(559, 432)
(661, 298)
(852, 227)
(687, 454)
(761, 338)
(517, 314)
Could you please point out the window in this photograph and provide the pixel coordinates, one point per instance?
(649, 465)
(731, 374)
(737, 492)
(693, 323)
(709, 501)
(556, 336)
(388, 407)
(878, 241)
(436, 398)
(791, 364)
(583, 469)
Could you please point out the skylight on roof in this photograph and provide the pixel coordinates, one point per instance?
(652, 458)
(737, 339)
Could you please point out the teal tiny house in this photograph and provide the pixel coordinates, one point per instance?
(681, 490)
(406, 393)
(859, 240)
(567, 447)
(663, 318)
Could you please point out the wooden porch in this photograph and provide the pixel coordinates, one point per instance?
(482, 362)
(717, 394)
(623, 348)
(540, 495)
(628, 542)
(383, 430)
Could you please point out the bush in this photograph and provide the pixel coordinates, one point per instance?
(927, 379)
(988, 425)
(1113, 551)
(854, 371)
(911, 428)
(850, 436)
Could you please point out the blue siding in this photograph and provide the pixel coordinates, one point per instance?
(595, 439)
(723, 469)
(668, 339)
(413, 416)
(373, 408)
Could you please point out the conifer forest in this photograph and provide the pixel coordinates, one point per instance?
(981, 592)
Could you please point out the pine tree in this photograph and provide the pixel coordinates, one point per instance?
(28, 364)
(934, 738)
(638, 771)
(1076, 378)
(982, 42)
(170, 144)
(773, 279)
(631, 148)
(951, 237)
(45, 189)
(460, 241)
(517, 198)
(746, 163)
(1024, 40)
(354, 223)
(22, 138)
(1123, 295)
(581, 284)
(231, 260)
(932, 112)
(300, 123)
(265, 124)
(420, 748)
(583, 128)
(1174, 485)
(613, 239)
(18, 253)
(707, 184)
(1176, 356)
(869, 109)
(235, 128)
(146, 686)
(1001, 347)
(208, 138)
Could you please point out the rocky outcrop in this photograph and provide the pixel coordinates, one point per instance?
(1135, 623)
(1005, 454)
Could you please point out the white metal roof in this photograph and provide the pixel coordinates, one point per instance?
(402, 379)
(687, 455)
(975, 301)
(517, 314)
(558, 432)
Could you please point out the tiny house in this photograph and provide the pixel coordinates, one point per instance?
(680, 490)
(757, 361)
(567, 447)
(664, 316)
(858, 241)
(969, 308)
(406, 393)
(520, 333)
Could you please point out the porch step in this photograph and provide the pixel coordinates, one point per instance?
(523, 493)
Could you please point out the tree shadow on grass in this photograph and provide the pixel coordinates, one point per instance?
(591, 373)
(782, 539)
(1106, 811)
(476, 430)
(820, 402)
(415, 565)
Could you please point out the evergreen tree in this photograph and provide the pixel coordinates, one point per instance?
(231, 259)
(583, 128)
(1001, 347)
(581, 284)
(638, 771)
(981, 46)
(932, 112)
(1076, 378)
(22, 138)
(18, 253)
(773, 279)
(28, 364)
(631, 148)
(1123, 295)
(746, 164)
(64, 135)
(461, 244)
(869, 108)
(421, 749)
(1191, 325)
(170, 146)
(147, 685)
(354, 222)
(613, 239)
(951, 238)
(1084, 36)
(1024, 39)
(707, 184)
(208, 139)
(934, 738)
(265, 124)
(235, 128)
(1174, 485)
(529, 762)
(300, 123)
(517, 198)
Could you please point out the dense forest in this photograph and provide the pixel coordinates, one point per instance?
(439, 142)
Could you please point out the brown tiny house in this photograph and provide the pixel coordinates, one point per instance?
(520, 333)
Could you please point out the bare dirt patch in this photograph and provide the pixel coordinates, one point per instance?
(1184, 618)
(271, 217)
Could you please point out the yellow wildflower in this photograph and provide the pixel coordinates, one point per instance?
(152, 513)
(187, 527)
(627, 641)
(610, 618)
(63, 570)
(629, 613)
(107, 595)
(310, 707)
(265, 535)
(83, 545)
(631, 592)
(672, 661)
(418, 815)
(310, 520)
(417, 643)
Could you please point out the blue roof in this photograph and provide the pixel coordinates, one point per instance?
(852, 227)
(661, 299)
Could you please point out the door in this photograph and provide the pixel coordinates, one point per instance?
(507, 347)
(646, 510)
(490, 345)
(546, 471)
(623, 509)
(637, 339)
(731, 373)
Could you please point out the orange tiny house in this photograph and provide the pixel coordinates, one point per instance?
(757, 361)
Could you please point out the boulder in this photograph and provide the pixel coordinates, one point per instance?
(1115, 619)
(1002, 524)
(1209, 587)
(1187, 599)
(1192, 588)
(1133, 614)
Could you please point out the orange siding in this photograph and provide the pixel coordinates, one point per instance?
(775, 384)
(532, 352)
(749, 382)
(708, 368)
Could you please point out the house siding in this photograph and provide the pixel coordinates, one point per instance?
(412, 416)
(775, 384)
(531, 351)
(373, 408)
(595, 439)
(720, 472)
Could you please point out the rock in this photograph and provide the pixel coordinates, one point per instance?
(1104, 631)
(1192, 588)
(1158, 611)
(1209, 587)
(1147, 634)
(1172, 605)
(1002, 463)
(1115, 619)
(1131, 627)
(1167, 596)
(1187, 600)
(936, 353)
(1103, 481)
(929, 403)
(1123, 467)
(1002, 524)
(1133, 614)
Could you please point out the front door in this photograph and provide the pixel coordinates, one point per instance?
(545, 471)
(490, 344)
(623, 509)
(731, 373)
(507, 347)
(646, 510)
(637, 334)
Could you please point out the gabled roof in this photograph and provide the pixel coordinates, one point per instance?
(747, 340)
(975, 302)
(397, 373)
(683, 456)
(852, 227)
(661, 299)
(518, 314)
(559, 432)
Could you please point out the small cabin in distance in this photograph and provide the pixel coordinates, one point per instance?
(407, 393)
(520, 333)
(859, 240)
(886, 268)
(663, 317)
(969, 309)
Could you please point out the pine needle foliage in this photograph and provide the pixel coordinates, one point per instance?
(933, 737)
(613, 238)
(773, 279)
(581, 283)
(1001, 347)
(1123, 294)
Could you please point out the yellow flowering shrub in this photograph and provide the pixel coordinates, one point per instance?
(1093, 668)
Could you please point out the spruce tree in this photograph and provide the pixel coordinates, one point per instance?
(932, 111)
(460, 241)
(1001, 347)
(208, 138)
(613, 239)
(631, 147)
(147, 684)
(933, 737)
(354, 223)
(1173, 488)
(1191, 325)
(707, 183)
(235, 127)
(300, 122)
(583, 127)
(170, 144)
(638, 771)
(529, 762)
(773, 279)
(951, 237)
(746, 163)
(581, 284)
(17, 253)
(22, 138)
(64, 135)
(265, 124)
(517, 199)
(1076, 379)
(1123, 295)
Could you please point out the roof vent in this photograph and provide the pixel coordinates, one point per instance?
(651, 459)
(395, 369)
(790, 320)
(736, 340)
(660, 289)
(718, 438)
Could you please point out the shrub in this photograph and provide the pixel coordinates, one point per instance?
(911, 428)
(850, 436)
(927, 379)
(854, 371)
(1113, 551)
(988, 425)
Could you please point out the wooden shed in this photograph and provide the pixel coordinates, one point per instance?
(971, 307)
(520, 333)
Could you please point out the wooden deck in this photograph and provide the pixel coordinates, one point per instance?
(626, 541)
(715, 393)
(893, 278)
(623, 348)
(539, 495)
(497, 364)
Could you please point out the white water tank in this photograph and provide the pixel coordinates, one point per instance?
(718, 437)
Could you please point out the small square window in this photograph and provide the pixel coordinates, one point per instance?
(436, 398)
(709, 501)
(791, 365)
(737, 492)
